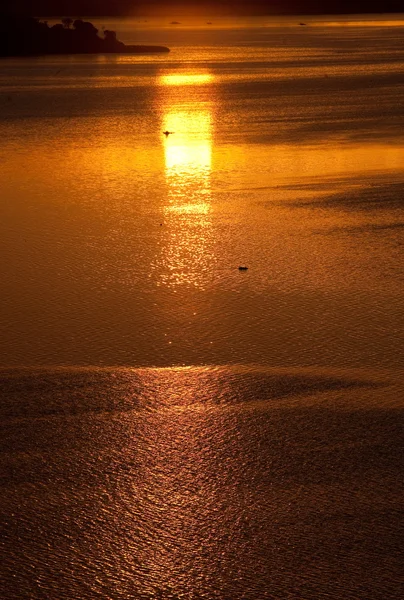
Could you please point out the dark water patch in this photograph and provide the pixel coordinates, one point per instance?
(358, 195)
(33, 393)
(297, 502)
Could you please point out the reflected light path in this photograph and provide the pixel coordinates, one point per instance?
(187, 249)
(188, 157)
(186, 79)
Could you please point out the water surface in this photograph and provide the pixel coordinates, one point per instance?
(122, 246)
(200, 483)
(173, 427)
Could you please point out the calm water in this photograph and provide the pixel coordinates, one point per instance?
(172, 427)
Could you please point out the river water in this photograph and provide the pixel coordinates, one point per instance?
(173, 427)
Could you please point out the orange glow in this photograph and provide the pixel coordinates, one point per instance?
(360, 23)
(186, 79)
(187, 249)
(189, 149)
(188, 154)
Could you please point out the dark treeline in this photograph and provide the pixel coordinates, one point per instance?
(48, 8)
(22, 36)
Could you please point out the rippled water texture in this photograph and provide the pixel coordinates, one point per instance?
(122, 245)
(200, 483)
(173, 427)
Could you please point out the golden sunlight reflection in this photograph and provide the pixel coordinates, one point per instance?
(188, 154)
(181, 470)
(186, 79)
(187, 242)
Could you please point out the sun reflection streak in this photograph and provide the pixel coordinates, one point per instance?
(186, 79)
(186, 250)
(188, 158)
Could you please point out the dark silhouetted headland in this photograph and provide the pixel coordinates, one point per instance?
(21, 36)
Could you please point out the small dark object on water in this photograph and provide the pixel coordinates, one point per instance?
(241, 268)
(166, 133)
(302, 23)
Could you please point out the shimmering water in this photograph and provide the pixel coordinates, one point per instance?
(173, 427)
(201, 483)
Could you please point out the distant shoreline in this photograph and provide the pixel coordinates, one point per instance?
(27, 36)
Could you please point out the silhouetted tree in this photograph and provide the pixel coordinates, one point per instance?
(85, 27)
(67, 22)
(24, 36)
(110, 35)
